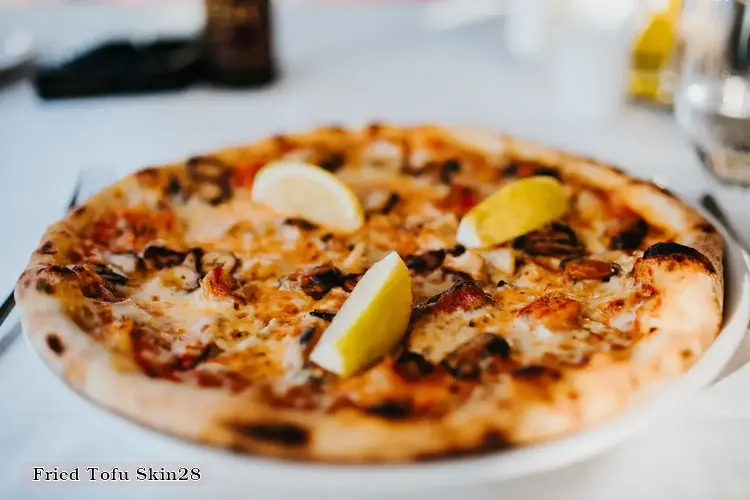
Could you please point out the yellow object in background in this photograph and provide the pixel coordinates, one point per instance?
(655, 53)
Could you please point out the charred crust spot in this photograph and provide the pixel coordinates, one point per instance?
(706, 228)
(374, 129)
(202, 168)
(686, 354)
(45, 286)
(326, 237)
(61, 271)
(332, 162)
(678, 254)
(501, 283)
(631, 237)
(282, 142)
(47, 248)
(300, 223)
(412, 366)
(666, 191)
(492, 441)
(536, 371)
(426, 261)
(174, 187)
(324, 315)
(55, 344)
(391, 410)
(109, 274)
(291, 435)
(79, 211)
(448, 170)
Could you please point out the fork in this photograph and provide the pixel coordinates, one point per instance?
(89, 181)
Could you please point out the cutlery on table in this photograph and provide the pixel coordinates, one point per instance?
(88, 183)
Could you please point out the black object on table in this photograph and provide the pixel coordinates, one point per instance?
(122, 67)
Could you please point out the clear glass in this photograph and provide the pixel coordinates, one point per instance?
(712, 103)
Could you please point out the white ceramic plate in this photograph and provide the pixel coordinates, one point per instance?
(243, 471)
(503, 465)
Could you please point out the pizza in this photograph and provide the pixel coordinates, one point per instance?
(175, 300)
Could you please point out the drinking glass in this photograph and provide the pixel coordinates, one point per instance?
(712, 102)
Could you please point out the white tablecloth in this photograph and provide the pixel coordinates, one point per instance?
(341, 65)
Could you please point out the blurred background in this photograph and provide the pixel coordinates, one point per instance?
(655, 86)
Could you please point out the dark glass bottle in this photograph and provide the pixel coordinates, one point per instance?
(238, 42)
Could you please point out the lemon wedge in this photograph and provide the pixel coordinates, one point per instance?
(513, 210)
(302, 190)
(371, 322)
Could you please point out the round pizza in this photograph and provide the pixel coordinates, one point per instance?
(384, 294)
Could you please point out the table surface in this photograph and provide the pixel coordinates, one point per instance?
(346, 65)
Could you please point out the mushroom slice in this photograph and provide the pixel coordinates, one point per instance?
(159, 257)
(109, 274)
(219, 258)
(465, 362)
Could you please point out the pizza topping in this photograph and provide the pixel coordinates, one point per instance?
(465, 362)
(324, 315)
(501, 259)
(465, 295)
(219, 284)
(303, 190)
(219, 258)
(317, 281)
(382, 202)
(522, 169)
(110, 275)
(212, 179)
(589, 269)
(426, 261)
(448, 170)
(300, 223)
(468, 264)
(93, 286)
(371, 321)
(517, 208)
(412, 366)
(158, 257)
(332, 161)
(183, 277)
(207, 168)
(460, 200)
(127, 263)
(631, 237)
(555, 240)
(555, 312)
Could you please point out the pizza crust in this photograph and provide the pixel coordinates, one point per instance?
(545, 403)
